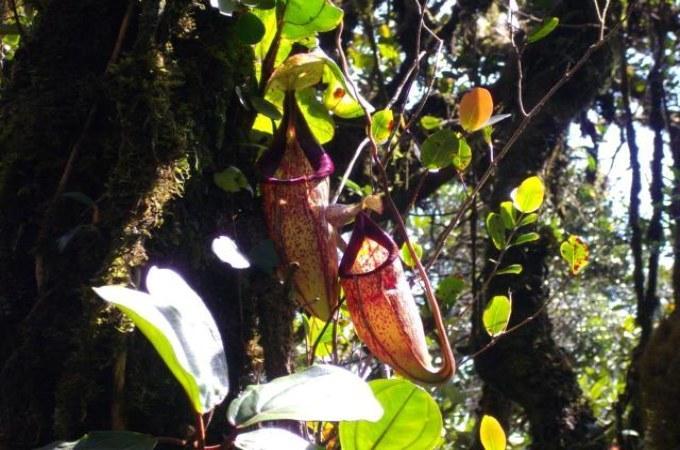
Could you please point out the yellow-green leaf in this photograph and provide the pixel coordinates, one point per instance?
(430, 122)
(491, 434)
(575, 251)
(543, 30)
(462, 156)
(496, 315)
(406, 254)
(382, 125)
(528, 197)
(496, 229)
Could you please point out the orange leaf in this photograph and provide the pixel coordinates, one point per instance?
(475, 109)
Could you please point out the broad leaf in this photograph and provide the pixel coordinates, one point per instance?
(272, 439)
(182, 330)
(575, 251)
(528, 219)
(475, 109)
(508, 215)
(525, 238)
(305, 18)
(496, 315)
(227, 251)
(528, 197)
(430, 122)
(405, 253)
(106, 440)
(298, 72)
(382, 125)
(249, 28)
(232, 180)
(543, 30)
(491, 434)
(496, 229)
(512, 269)
(412, 420)
(439, 149)
(462, 156)
(322, 392)
(316, 115)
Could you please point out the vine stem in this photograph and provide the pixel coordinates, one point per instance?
(449, 364)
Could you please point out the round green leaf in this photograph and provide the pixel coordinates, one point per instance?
(232, 180)
(249, 28)
(322, 392)
(448, 290)
(497, 315)
(462, 156)
(439, 149)
(528, 197)
(405, 253)
(491, 434)
(412, 420)
(382, 125)
(430, 122)
(304, 18)
(181, 329)
(496, 229)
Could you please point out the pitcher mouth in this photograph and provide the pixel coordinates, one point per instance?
(365, 228)
(294, 124)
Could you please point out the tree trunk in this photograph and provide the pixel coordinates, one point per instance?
(149, 131)
(527, 366)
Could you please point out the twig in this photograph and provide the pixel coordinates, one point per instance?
(568, 74)
(348, 170)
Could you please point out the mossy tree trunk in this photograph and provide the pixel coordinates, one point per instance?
(164, 119)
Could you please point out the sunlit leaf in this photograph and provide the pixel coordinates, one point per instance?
(227, 251)
(305, 18)
(249, 28)
(412, 420)
(528, 197)
(462, 156)
(109, 440)
(543, 30)
(496, 315)
(496, 230)
(512, 269)
(341, 102)
(181, 329)
(382, 125)
(430, 122)
(475, 109)
(272, 439)
(405, 253)
(491, 434)
(439, 149)
(320, 393)
(525, 238)
(508, 215)
(314, 328)
(320, 123)
(298, 72)
(575, 251)
(528, 219)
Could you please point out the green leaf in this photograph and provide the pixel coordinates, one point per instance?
(491, 434)
(109, 440)
(406, 254)
(462, 156)
(526, 238)
(181, 329)
(341, 102)
(430, 122)
(272, 439)
(496, 230)
(304, 18)
(232, 180)
(575, 251)
(297, 72)
(382, 125)
(439, 149)
(320, 122)
(508, 215)
(313, 328)
(528, 219)
(497, 315)
(528, 197)
(266, 108)
(543, 30)
(321, 392)
(249, 28)
(449, 289)
(412, 420)
(512, 269)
